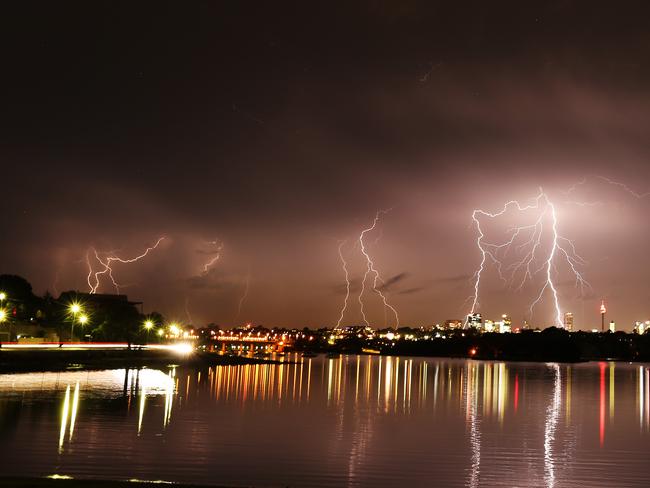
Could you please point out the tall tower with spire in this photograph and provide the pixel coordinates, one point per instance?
(603, 310)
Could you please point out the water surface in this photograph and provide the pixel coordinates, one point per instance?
(347, 421)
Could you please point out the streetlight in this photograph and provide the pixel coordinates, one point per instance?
(148, 325)
(3, 296)
(3, 315)
(173, 328)
(75, 309)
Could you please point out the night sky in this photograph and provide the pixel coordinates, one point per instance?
(277, 130)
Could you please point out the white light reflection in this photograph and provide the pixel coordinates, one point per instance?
(75, 406)
(474, 423)
(64, 417)
(550, 426)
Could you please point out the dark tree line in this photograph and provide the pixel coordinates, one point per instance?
(107, 320)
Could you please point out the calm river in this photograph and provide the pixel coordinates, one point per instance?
(348, 421)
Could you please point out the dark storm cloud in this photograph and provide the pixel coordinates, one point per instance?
(272, 126)
(389, 284)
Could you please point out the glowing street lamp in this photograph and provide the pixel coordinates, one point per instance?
(75, 309)
(173, 328)
(3, 315)
(83, 319)
(148, 325)
(3, 296)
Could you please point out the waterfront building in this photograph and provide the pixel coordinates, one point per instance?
(474, 320)
(488, 326)
(505, 324)
(641, 327)
(568, 321)
(612, 326)
(453, 324)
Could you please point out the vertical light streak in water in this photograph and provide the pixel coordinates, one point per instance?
(568, 395)
(550, 425)
(396, 388)
(487, 388)
(425, 382)
(406, 367)
(387, 381)
(516, 404)
(368, 377)
(435, 386)
(641, 395)
(612, 390)
(308, 379)
(302, 364)
(64, 417)
(143, 399)
(75, 406)
(474, 423)
(601, 418)
(339, 383)
(330, 362)
(356, 387)
(280, 384)
(502, 391)
(169, 398)
(647, 397)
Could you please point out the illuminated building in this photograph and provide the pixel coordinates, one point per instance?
(488, 326)
(505, 324)
(641, 327)
(603, 310)
(474, 320)
(612, 326)
(453, 324)
(568, 321)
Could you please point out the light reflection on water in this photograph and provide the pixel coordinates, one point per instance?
(349, 420)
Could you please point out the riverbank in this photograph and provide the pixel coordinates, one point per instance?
(13, 361)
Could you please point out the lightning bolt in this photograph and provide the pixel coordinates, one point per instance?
(624, 187)
(344, 265)
(187, 311)
(107, 260)
(526, 268)
(245, 294)
(608, 181)
(371, 270)
(215, 259)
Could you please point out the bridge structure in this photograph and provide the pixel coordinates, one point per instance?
(246, 344)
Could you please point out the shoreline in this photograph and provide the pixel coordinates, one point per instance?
(47, 482)
(13, 361)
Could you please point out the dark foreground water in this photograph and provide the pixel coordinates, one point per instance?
(348, 421)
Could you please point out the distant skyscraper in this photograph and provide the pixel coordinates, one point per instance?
(612, 326)
(568, 321)
(475, 320)
(505, 325)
